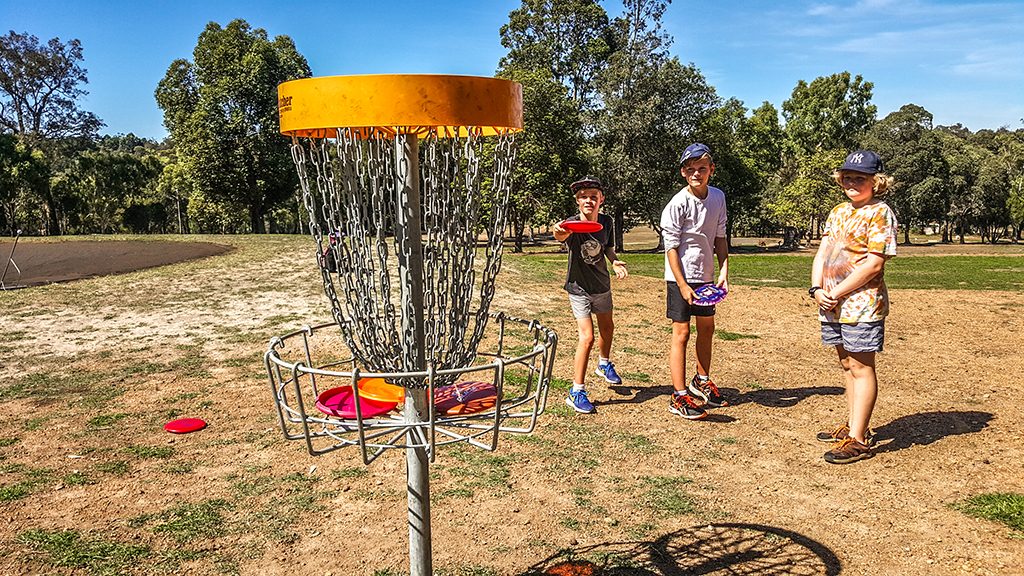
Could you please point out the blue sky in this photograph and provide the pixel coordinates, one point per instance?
(963, 61)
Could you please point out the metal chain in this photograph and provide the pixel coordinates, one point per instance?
(349, 189)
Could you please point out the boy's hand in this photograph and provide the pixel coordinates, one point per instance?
(557, 229)
(687, 293)
(619, 267)
(825, 301)
(723, 283)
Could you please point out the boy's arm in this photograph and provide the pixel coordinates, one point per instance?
(871, 266)
(618, 266)
(560, 233)
(825, 301)
(677, 272)
(722, 253)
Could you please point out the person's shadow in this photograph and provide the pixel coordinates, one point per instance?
(928, 427)
(641, 394)
(781, 397)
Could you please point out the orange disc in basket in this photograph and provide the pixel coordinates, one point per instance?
(465, 398)
(379, 390)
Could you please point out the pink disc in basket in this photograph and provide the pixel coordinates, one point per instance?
(465, 398)
(341, 402)
(184, 425)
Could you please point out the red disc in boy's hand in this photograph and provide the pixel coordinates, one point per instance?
(582, 226)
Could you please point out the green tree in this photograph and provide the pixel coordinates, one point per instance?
(823, 120)
(221, 111)
(829, 113)
(567, 38)
(802, 204)
(1015, 206)
(652, 105)
(548, 156)
(23, 173)
(913, 157)
(39, 90)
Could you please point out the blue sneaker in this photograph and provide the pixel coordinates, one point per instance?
(580, 402)
(609, 373)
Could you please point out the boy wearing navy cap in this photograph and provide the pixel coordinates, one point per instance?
(848, 284)
(693, 229)
(589, 286)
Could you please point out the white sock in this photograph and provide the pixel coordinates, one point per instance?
(603, 361)
(578, 387)
(702, 378)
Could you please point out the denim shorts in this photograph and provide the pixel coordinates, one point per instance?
(583, 305)
(859, 337)
(677, 309)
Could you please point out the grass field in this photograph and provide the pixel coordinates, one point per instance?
(91, 484)
(786, 271)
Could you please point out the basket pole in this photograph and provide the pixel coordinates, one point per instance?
(410, 269)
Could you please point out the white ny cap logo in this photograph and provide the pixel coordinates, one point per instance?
(857, 158)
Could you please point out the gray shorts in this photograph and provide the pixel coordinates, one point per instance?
(860, 337)
(583, 305)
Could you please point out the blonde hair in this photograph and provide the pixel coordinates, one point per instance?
(882, 181)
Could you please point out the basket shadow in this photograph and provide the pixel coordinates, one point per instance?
(927, 427)
(781, 397)
(728, 548)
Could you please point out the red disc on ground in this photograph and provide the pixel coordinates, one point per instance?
(582, 226)
(184, 425)
(341, 402)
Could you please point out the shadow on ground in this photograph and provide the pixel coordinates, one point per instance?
(782, 397)
(731, 548)
(928, 427)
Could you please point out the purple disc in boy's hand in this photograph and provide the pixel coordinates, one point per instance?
(709, 295)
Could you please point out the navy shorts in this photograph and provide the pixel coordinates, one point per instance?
(859, 337)
(677, 309)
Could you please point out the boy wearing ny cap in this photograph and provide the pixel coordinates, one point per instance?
(693, 229)
(589, 286)
(848, 285)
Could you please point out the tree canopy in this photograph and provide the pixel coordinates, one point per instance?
(221, 111)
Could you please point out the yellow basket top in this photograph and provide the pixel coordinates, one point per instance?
(399, 103)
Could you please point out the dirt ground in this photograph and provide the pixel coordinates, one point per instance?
(92, 369)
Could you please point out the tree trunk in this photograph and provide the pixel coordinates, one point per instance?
(620, 221)
(906, 234)
(255, 220)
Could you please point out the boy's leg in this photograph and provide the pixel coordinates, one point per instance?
(701, 387)
(585, 327)
(677, 355)
(861, 392)
(705, 336)
(606, 330)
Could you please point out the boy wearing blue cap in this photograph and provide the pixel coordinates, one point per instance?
(848, 285)
(693, 229)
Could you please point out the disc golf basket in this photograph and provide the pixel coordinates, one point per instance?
(405, 180)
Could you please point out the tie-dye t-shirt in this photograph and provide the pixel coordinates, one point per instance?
(853, 233)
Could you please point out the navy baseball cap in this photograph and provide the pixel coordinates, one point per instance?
(694, 151)
(584, 183)
(863, 161)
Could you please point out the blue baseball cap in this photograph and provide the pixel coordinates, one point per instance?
(863, 161)
(694, 151)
